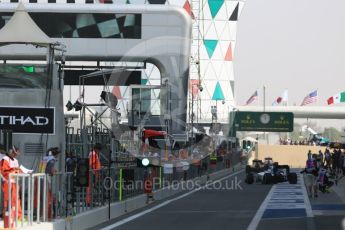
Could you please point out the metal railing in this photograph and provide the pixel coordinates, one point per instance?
(44, 197)
(28, 191)
(116, 184)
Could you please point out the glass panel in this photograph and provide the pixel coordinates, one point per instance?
(23, 76)
(147, 101)
(156, 102)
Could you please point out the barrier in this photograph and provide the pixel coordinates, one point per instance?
(45, 198)
(39, 197)
(109, 185)
(24, 200)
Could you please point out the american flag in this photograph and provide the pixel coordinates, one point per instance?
(252, 98)
(310, 98)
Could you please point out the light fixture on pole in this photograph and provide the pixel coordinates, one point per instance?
(145, 162)
(110, 99)
(69, 106)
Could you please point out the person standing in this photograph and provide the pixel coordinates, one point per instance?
(343, 163)
(148, 186)
(328, 159)
(2, 151)
(71, 162)
(10, 165)
(94, 167)
(311, 174)
(51, 171)
(320, 158)
(2, 155)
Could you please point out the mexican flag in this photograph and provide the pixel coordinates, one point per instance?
(340, 97)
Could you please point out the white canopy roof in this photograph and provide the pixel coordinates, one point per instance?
(21, 29)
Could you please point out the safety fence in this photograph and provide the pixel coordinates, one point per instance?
(24, 199)
(108, 185)
(39, 197)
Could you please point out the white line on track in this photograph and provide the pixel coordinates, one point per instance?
(258, 216)
(306, 199)
(128, 219)
(256, 220)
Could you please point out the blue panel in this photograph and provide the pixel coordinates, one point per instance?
(218, 93)
(210, 46)
(328, 207)
(284, 213)
(215, 6)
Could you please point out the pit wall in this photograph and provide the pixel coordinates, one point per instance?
(293, 155)
(98, 216)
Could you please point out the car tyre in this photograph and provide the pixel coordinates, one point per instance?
(267, 178)
(292, 178)
(249, 178)
(248, 169)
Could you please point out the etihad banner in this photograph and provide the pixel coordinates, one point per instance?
(28, 120)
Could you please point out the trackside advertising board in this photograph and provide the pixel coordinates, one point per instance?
(28, 120)
(263, 121)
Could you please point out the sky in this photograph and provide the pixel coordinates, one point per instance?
(294, 45)
(290, 44)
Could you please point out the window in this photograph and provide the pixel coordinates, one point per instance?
(85, 25)
(23, 76)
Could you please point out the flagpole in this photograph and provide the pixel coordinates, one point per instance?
(258, 99)
(264, 97)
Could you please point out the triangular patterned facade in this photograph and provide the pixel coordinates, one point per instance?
(216, 70)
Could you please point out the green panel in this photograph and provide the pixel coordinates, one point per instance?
(342, 96)
(144, 81)
(29, 69)
(218, 93)
(120, 189)
(263, 121)
(215, 6)
(210, 46)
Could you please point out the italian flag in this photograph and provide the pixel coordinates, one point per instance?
(340, 97)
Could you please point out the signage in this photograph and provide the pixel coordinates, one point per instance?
(28, 120)
(264, 121)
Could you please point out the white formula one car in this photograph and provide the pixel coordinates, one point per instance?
(269, 173)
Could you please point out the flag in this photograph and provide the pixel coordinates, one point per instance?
(188, 8)
(310, 98)
(282, 99)
(340, 97)
(194, 85)
(252, 98)
(82, 94)
(117, 92)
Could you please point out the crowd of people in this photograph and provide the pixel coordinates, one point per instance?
(322, 170)
(305, 141)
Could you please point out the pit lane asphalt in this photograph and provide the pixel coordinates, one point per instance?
(206, 209)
